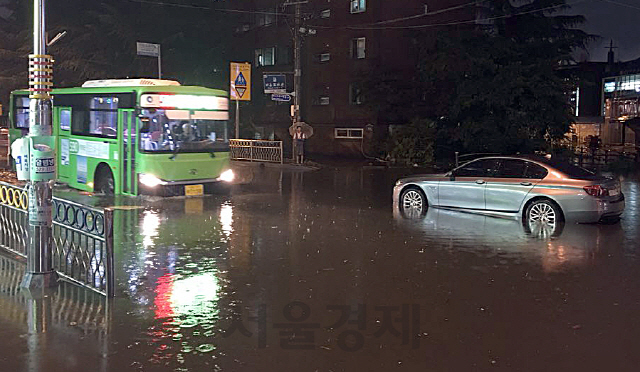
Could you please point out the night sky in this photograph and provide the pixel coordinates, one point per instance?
(611, 20)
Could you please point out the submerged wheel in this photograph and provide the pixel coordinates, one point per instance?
(413, 202)
(104, 182)
(543, 211)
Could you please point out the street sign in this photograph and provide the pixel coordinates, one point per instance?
(148, 49)
(240, 81)
(281, 97)
(274, 83)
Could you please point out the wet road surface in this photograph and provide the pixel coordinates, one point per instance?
(313, 271)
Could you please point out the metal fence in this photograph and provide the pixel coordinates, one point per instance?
(82, 238)
(587, 157)
(256, 150)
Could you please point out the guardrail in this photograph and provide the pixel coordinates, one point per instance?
(82, 238)
(256, 150)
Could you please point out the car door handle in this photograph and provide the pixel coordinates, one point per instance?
(479, 182)
(526, 183)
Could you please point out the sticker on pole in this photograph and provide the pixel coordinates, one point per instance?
(39, 215)
(42, 159)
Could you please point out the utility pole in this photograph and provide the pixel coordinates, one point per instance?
(41, 158)
(297, 59)
(297, 68)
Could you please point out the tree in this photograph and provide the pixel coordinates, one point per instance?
(499, 86)
(492, 87)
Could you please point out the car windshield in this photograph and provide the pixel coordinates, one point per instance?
(162, 131)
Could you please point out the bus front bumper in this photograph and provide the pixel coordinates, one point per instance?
(150, 185)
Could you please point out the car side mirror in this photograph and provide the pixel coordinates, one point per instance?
(451, 176)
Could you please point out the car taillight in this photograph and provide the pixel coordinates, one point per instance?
(596, 190)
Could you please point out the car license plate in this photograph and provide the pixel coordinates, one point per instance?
(614, 192)
(193, 190)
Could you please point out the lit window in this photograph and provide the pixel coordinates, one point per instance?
(324, 100)
(324, 57)
(358, 6)
(358, 48)
(265, 56)
(325, 13)
(348, 133)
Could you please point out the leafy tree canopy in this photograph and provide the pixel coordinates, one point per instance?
(494, 87)
(101, 41)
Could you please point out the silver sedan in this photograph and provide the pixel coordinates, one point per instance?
(535, 188)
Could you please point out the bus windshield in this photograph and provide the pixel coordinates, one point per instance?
(181, 131)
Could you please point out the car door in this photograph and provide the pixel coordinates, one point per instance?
(465, 188)
(506, 191)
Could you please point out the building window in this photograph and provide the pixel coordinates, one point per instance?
(355, 94)
(325, 13)
(321, 100)
(358, 6)
(265, 18)
(324, 57)
(348, 133)
(358, 48)
(265, 56)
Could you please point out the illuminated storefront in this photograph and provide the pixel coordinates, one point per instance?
(620, 103)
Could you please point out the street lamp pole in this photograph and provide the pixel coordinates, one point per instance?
(40, 273)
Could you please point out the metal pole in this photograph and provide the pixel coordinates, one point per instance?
(159, 63)
(110, 266)
(297, 69)
(40, 273)
(237, 118)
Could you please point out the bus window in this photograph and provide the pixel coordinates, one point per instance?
(21, 115)
(65, 119)
(101, 120)
(187, 131)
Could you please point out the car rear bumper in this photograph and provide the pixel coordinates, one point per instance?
(596, 210)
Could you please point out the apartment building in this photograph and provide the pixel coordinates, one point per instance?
(345, 44)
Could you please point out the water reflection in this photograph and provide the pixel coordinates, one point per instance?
(555, 246)
(40, 325)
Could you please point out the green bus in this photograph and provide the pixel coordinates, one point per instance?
(136, 136)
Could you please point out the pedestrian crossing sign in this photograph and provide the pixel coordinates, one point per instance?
(240, 81)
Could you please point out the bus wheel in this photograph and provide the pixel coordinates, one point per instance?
(104, 181)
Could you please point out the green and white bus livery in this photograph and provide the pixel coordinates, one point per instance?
(136, 136)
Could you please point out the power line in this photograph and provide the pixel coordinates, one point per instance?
(453, 23)
(190, 6)
(622, 4)
(426, 14)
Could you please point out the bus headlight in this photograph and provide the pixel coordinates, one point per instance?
(149, 180)
(227, 176)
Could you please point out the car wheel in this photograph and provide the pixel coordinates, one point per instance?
(104, 182)
(543, 212)
(413, 202)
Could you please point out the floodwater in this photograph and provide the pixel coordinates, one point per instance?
(313, 271)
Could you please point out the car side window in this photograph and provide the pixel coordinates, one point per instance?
(534, 171)
(511, 168)
(478, 168)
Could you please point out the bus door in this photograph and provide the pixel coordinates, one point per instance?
(128, 151)
(62, 131)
